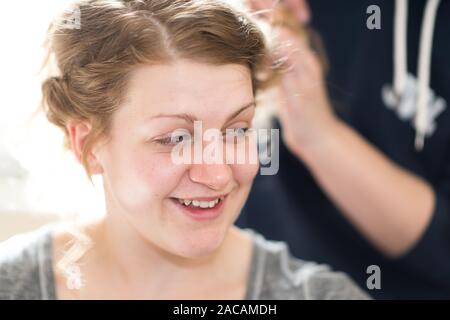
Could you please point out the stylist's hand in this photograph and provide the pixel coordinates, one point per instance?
(300, 8)
(304, 111)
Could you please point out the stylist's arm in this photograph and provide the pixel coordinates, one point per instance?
(389, 205)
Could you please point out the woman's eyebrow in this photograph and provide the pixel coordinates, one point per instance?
(246, 106)
(183, 116)
(191, 118)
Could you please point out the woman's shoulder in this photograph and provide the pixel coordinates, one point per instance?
(276, 274)
(25, 262)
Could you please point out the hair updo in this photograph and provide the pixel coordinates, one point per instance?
(116, 36)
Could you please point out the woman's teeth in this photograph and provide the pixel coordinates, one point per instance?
(201, 204)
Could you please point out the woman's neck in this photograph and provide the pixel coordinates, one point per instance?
(124, 259)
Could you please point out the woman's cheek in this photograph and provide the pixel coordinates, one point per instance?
(245, 173)
(146, 179)
(158, 172)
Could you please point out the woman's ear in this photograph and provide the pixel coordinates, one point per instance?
(78, 132)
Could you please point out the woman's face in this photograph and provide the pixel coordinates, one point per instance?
(158, 198)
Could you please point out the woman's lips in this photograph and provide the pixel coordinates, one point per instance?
(194, 210)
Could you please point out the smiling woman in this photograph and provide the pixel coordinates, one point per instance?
(166, 225)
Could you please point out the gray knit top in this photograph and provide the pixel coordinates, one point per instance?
(26, 271)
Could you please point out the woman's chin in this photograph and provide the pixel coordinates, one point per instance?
(200, 245)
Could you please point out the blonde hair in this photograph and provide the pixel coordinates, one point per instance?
(116, 36)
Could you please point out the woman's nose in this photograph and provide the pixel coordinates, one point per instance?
(215, 176)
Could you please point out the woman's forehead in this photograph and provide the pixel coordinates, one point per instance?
(186, 85)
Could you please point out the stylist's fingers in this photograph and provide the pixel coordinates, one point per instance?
(260, 5)
(304, 76)
(290, 110)
(290, 92)
(292, 49)
(301, 10)
(299, 53)
(303, 106)
(290, 46)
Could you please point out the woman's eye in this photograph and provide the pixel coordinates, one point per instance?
(174, 138)
(237, 132)
(177, 139)
(183, 137)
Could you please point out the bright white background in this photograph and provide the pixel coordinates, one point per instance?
(36, 175)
